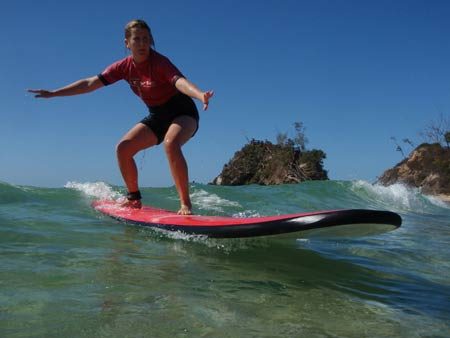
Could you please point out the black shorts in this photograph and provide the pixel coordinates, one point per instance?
(161, 117)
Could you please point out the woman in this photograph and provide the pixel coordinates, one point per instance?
(173, 117)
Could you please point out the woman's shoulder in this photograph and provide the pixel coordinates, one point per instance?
(121, 65)
(158, 57)
(124, 62)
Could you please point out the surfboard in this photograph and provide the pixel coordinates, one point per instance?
(359, 222)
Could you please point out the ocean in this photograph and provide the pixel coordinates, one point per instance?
(68, 271)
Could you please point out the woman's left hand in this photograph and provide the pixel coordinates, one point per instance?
(206, 96)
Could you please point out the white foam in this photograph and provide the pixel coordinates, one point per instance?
(247, 214)
(99, 190)
(206, 201)
(398, 196)
(438, 202)
(179, 235)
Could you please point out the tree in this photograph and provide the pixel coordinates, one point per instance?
(399, 149)
(298, 142)
(300, 139)
(447, 138)
(282, 138)
(436, 131)
(408, 141)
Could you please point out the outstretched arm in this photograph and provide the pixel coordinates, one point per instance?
(79, 87)
(190, 89)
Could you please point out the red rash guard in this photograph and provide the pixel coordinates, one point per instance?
(152, 80)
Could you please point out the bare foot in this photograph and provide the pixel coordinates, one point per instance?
(133, 204)
(185, 210)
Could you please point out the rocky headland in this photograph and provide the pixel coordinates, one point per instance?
(426, 168)
(262, 162)
(265, 163)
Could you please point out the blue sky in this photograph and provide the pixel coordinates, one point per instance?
(354, 72)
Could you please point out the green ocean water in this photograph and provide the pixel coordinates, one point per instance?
(67, 271)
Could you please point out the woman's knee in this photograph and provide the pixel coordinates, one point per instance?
(171, 146)
(125, 148)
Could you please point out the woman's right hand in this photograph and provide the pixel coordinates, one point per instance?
(41, 93)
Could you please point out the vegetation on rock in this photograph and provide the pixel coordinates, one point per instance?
(262, 162)
(437, 131)
(428, 165)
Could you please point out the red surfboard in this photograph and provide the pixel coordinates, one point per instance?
(373, 221)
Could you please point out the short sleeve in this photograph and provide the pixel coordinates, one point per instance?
(113, 73)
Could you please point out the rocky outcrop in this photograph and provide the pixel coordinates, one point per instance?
(261, 162)
(427, 168)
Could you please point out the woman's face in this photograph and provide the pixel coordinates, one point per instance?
(139, 44)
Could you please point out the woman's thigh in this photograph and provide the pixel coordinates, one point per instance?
(181, 130)
(138, 138)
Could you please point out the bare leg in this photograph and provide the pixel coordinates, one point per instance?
(180, 131)
(137, 138)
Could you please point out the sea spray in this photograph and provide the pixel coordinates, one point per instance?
(396, 197)
(98, 190)
(204, 200)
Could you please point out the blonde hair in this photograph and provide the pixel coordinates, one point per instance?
(139, 24)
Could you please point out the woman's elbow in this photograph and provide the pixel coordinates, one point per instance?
(93, 83)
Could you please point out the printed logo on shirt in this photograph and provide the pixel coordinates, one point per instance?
(142, 84)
